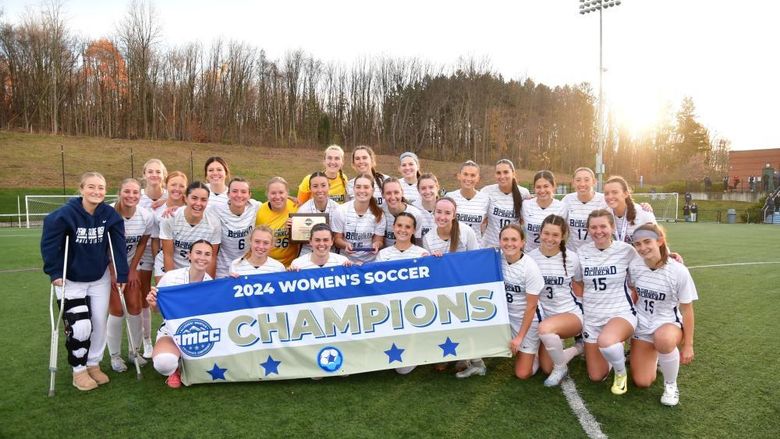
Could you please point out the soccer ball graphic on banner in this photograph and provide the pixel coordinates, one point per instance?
(330, 359)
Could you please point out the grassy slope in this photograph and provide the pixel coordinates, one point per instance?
(730, 389)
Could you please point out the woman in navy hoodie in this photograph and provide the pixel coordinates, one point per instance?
(87, 222)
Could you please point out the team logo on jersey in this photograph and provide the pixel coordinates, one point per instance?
(330, 359)
(196, 337)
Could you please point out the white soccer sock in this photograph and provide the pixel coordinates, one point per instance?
(616, 356)
(114, 334)
(135, 331)
(669, 365)
(535, 365)
(146, 319)
(570, 353)
(554, 345)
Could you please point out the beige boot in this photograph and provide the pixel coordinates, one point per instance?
(82, 381)
(97, 374)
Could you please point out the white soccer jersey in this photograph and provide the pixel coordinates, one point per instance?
(358, 230)
(147, 261)
(393, 254)
(377, 190)
(576, 213)
(217, 199)
(604, 273)
(624, 230)
(427, 222)
(557, 296)
(390, 221)
(139, 225)
(471, 211)
(179, 276)
(177, 229)
(304, 262)
(147, 202)
(243, 267)
(411, 193)
(235, 233)
(500, 212)
(310, 207)
(660, 292)
(533, 215)
(467, 241)
(520, 278)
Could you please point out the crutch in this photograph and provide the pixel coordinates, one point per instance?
(130, 341)
(55, 324)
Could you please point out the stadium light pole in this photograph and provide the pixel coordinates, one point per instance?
(586, 7)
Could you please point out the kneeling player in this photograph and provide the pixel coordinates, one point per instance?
(665, 290)
(166, 354)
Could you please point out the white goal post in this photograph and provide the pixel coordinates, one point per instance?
(38, 206)
(666, 205)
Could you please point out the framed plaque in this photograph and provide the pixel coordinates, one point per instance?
(300, 229)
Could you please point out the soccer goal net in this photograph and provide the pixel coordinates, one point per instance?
(38, 206)
(665, 205)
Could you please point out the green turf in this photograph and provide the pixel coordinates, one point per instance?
(730, 390)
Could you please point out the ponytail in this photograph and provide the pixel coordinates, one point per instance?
(455, 226)
(630, 208)
(517, 197)
(372, 204)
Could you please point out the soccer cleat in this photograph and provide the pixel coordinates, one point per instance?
(97, 374)
(141, 360)
(147, 348)
(82, 381)
(556, 376)
(620, 384)
(118, 364)
(671, 395)
(174, 380)
(472, 370)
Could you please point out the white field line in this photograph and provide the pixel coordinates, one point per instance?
(735, 264)
(587, 421)
(19, 236)
(20, 270)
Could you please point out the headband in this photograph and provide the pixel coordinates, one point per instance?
(410, 154)
(644, 233)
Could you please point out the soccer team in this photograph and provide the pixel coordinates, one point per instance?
(593, 266)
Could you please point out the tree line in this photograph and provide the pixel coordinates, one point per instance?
(130, 85)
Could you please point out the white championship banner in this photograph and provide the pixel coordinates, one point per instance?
(338, 321)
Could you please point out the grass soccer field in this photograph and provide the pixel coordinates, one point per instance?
(730, 390)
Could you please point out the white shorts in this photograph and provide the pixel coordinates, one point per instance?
(645, 331)
(159, 265)
(531, 342)
(592, 330)
(147, 260)
(163, 331)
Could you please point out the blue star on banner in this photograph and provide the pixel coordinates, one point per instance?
(394, 354)
(448, 348)
(217, 373)
(271, 366)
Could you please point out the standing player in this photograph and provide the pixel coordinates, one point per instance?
(665, 312)
(237, 218)
(256, 260)
(609, 314)
(538, 208)
(396, 203)
(450, 235)
(319, 202)
(410, 175)
(428, 186)
(193, 223)
(472, 203)
(138, 226)
(321, 242)
(88, 223)
(359, 224)
(364, 162)
(166, 354)
(579, 204)
(337, 183)
(559, 302)
(627, 214)
(506, 202)
(275, 213)
(217, 173)
(155, 175)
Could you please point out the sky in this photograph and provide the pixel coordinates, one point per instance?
(723, 54)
